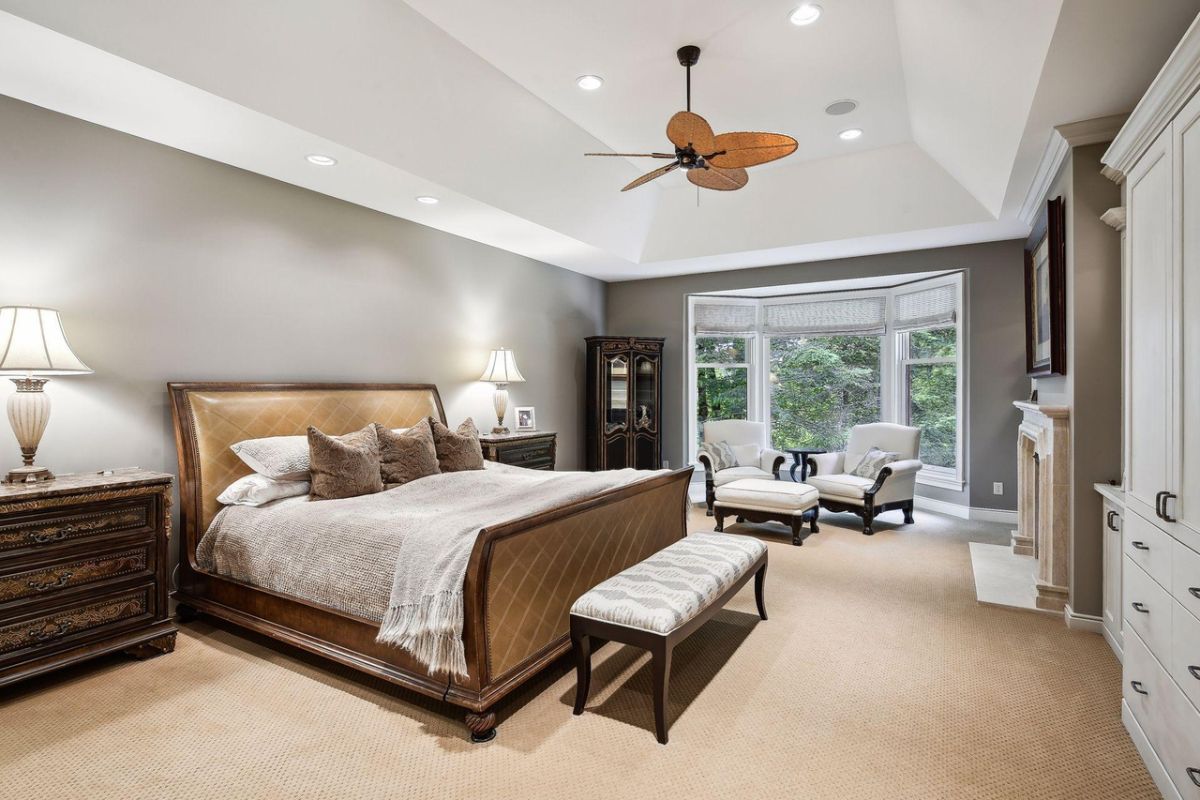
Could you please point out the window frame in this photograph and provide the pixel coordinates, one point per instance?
(893, 398)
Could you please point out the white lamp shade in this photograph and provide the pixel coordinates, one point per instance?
(502, 368)
(32, 342)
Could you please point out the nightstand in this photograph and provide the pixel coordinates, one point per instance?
(83, 570)
(532, 449)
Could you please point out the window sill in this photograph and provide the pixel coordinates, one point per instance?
(941, 481)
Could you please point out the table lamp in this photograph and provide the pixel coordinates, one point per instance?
(32, 342)
(501, 370)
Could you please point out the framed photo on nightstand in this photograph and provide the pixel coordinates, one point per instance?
(525, 419)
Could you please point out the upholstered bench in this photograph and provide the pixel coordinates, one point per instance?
(661, 601)
(761, 500)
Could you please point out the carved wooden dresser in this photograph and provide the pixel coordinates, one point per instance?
(532, 449)
(83, 570)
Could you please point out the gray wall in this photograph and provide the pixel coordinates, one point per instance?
(994, 333)
(167, 266)
(1092, 385)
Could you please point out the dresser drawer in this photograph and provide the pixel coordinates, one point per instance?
(1144, 687)
(1147, 609)
(68, 525)
(533, 456)
(1148, 546)
(49, 579)
(1185, 577)
(1184, 663)
(64, 626)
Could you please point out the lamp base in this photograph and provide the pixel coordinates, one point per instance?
(501, 429)
(28, 475)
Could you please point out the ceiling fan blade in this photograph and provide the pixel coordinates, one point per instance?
(686, 128)
(723, 180)
(748, 149)
(633, 155)
(649, 176)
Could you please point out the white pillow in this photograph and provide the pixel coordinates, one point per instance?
(282, 458)
(747, 455)
(256, 490)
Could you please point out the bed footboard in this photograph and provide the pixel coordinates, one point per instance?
(530, 571)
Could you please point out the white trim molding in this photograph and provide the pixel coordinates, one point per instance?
(1000, 515)
(973, 513)
(1082, 622)
(1114, 218)
(1062, 139)
(1171, 89)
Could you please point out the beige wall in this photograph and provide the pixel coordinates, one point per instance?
(994, 327)
(167, 266)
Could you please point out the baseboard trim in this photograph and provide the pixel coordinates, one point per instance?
(1118, 648)
(1158, 773)
(999, 515)
(1082, 622)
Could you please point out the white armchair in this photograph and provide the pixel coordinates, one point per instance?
(832, 474)
(748, 442)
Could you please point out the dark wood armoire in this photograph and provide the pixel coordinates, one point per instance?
(624, 402)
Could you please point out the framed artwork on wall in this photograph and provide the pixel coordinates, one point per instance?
(1046, 293)
(525, 419)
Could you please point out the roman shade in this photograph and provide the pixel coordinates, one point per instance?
(724, 319)
(861, 316)
(925, 308)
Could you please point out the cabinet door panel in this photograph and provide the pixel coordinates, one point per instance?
(1150, 233)
(1187, 306)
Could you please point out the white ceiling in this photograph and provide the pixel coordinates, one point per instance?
(475, 102)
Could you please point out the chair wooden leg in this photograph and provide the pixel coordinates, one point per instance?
(760, 580)
(583, 668)
(812, 522)
(661, 660)
(720, 515)
(908, 513)
(795, 522)
(710, 495)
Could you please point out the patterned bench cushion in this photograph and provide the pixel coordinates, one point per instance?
(672, 586)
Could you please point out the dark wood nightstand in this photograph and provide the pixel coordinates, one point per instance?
(532, 449)
(83, 570)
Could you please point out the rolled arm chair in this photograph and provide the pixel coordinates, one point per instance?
(748, 442)
(892, 489)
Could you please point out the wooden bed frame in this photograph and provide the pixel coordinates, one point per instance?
(514, 626)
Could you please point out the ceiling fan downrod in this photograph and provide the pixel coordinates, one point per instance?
(688, 56)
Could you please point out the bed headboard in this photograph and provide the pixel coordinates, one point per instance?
(209, 417)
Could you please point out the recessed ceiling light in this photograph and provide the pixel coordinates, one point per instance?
(320, 160)
(589, 83)
(850, 134)
(839, 107)
(806, 14)
(428, 200)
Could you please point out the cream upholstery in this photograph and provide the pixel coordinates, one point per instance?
(894, 489)
(756, 493)
(748, 441)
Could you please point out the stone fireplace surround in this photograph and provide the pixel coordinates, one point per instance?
(1044, 499)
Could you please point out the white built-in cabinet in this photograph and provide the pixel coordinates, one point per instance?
(1157, 155)
(1112, 612)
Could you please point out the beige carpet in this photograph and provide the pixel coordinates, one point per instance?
(877, 676)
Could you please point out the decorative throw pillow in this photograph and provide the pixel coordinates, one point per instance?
(459, 450)
(873, 461)
(407, 454)
(344, 466)
(257, 490)
(281, 458)
(720, 454)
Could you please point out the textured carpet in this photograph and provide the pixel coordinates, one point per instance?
(877, 676)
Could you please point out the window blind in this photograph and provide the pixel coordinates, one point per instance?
(862, 316)
(717, 319)
(925, 308)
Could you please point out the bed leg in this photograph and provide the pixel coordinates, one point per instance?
(482, 726)
(186, 613)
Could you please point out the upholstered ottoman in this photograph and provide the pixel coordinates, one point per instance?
(760, 500)
(658, 603)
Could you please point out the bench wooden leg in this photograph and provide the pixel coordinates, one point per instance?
(812, 523)
(583, 667)
(720, 515)
(760, 579)
(795, 522)
(661, 659)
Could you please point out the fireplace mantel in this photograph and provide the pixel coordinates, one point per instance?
(1044, 498)
(1053, 412)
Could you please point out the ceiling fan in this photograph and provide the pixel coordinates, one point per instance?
(711, 161)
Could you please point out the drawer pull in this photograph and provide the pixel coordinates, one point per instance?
(46, 586)
(1137, 687)
(1166, 497)
(1195, 672)
(1140, 545)
(42, 635)
(1194, 591)
(1140, 607)
(54, 536)
(1108, 520)
(1194, 774)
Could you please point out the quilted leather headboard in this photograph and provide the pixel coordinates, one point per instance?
(209, 417)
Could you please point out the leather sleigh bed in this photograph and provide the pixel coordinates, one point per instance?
(522, 577)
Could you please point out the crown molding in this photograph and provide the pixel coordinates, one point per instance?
(1062, 139)
(1114, 218)
(1174, 85)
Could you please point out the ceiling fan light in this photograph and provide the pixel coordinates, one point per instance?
(805, 14)
(850, 134)
(589, 83)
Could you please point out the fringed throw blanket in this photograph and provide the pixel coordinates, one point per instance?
(399, 556)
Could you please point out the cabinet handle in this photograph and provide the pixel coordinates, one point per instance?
(1194, 591)
(1140, 607)
(54, 536)
(42, 635)
(1168, 496)
(1194, 774)
(1140, 545)
(1137, 687)
(1108, 520)
(46, 586)
(1158, 503)
(1195, 672)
